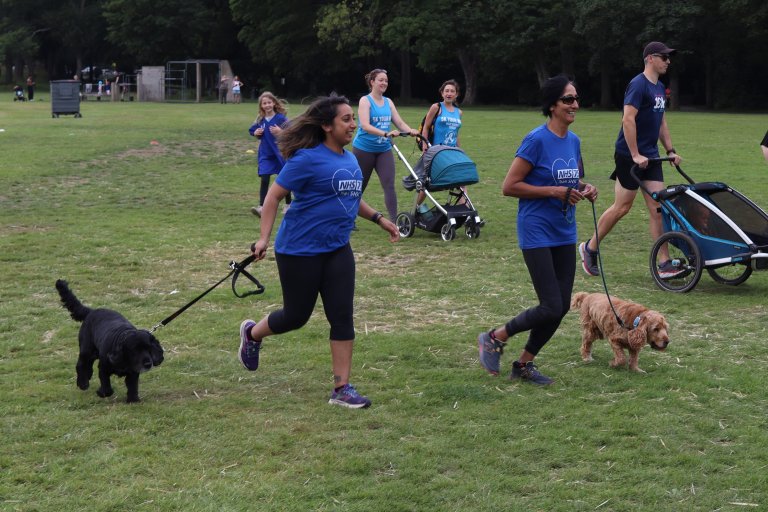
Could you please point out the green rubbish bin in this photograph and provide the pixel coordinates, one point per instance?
(65, 98)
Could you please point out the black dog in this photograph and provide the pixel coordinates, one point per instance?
(108, 336)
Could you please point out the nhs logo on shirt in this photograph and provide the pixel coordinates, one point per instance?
(348, 187)
(565, 173)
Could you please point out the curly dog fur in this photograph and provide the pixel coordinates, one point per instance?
(599, 322)
(108, 336)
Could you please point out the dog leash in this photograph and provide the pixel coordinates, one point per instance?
(602, 275)
(237, 270)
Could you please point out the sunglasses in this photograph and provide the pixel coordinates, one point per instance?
(662, 56)
(568, 100)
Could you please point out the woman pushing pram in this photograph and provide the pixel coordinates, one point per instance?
(440, 168)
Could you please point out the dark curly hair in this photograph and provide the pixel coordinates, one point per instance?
(306, 130)
(552, 90)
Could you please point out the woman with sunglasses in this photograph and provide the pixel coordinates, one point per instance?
(372, 145)
(546, 178)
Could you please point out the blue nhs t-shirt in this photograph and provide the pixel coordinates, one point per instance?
(326, 188)
(556, 162)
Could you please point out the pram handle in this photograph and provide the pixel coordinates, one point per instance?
(406, 134)
(635, 167)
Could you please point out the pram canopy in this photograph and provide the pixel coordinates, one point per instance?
(716, 210)
(441, 168)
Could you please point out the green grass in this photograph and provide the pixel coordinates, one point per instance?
(144, 228)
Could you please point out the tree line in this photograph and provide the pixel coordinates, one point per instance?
(499, 50)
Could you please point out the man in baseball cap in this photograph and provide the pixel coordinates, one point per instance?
(643, 126)
(655, 47)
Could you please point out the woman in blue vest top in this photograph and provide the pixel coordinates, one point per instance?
(445, 116)
(372, 146)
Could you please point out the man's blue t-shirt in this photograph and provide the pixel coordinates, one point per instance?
(650, 101)
(556, 162)
(327, 187)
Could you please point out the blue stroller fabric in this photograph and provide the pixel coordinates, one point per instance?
(443, 167)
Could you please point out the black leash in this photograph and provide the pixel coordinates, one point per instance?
(602, 274)
(237, 269)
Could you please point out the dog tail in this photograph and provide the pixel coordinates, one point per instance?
(77, 311)
(577, 300)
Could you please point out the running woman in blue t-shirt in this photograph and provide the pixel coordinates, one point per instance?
(546, 176)
(372, 145)
(643, 125)
(312, 248)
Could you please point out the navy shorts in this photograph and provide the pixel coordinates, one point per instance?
(624, 163)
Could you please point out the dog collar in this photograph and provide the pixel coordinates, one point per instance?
(636, 322)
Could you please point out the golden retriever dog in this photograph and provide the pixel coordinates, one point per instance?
(598, 321)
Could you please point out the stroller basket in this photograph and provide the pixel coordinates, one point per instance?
(442, 168)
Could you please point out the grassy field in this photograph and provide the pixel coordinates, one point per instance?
(141, 206)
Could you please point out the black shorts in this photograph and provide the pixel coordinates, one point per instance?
(653, 172)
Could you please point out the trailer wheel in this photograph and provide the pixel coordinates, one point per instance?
(732, 275)
(685, 255)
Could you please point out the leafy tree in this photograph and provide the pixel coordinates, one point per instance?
(610, 29)
(282, 38)
(155, 32)
(78, 26)
(361, 30)
(440, 33)
(21, 30)
(352, 26)
(727, 41)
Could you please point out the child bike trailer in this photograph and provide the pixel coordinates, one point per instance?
(710, 226)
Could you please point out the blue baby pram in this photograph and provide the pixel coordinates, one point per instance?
(708, 226)
(440, 168)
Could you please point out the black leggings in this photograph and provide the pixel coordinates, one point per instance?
(303, 278)
(552, 271)
(265, 188)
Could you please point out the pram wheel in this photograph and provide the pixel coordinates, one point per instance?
(732, 275)
(405, 224)
(686, 256)
(448, 232)
(472, 230)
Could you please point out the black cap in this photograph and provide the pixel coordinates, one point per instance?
(657, 47)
